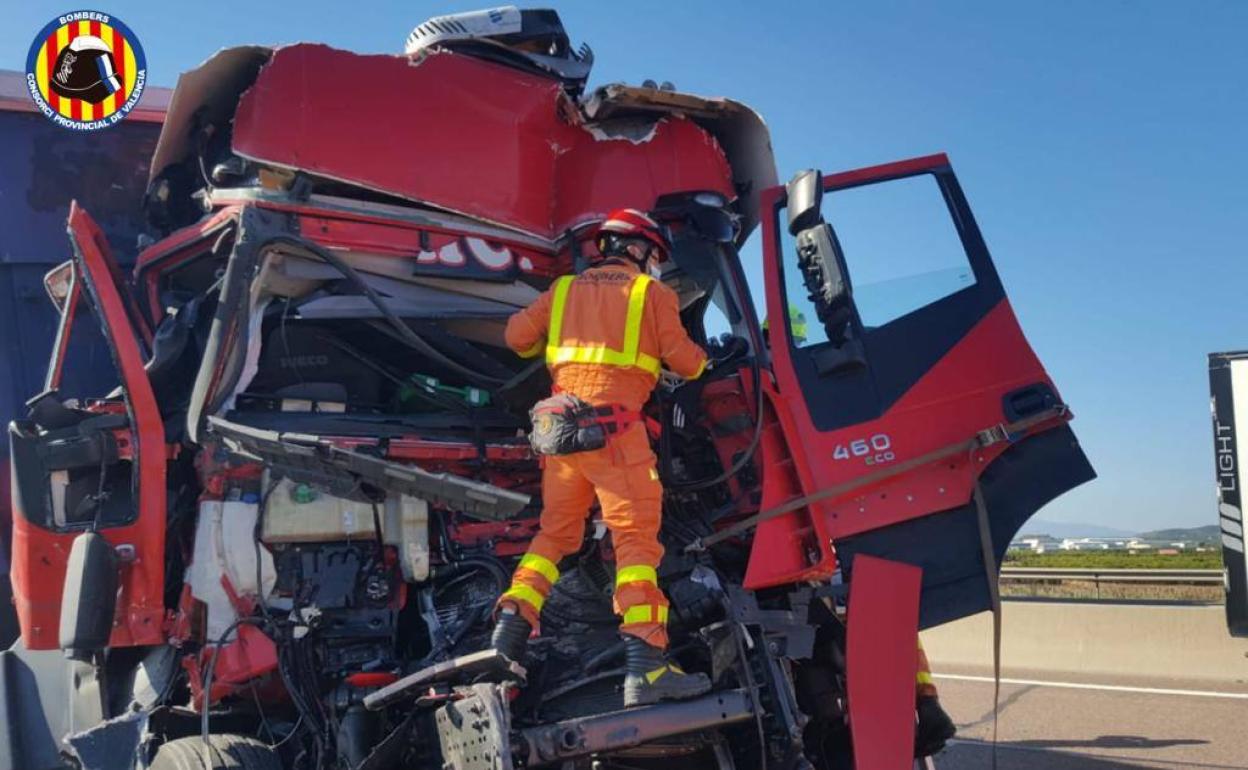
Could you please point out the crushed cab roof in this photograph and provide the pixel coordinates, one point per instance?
(451, 131)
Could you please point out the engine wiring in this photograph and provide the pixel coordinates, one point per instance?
(207, 684)
(404, 331)
(745, 457)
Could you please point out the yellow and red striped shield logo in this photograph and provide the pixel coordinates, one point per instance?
(85, 70)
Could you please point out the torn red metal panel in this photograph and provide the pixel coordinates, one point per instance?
(600, 174)
(251, 654)
(464, 135)
(881, 663)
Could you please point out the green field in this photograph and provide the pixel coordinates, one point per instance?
(1114, 560)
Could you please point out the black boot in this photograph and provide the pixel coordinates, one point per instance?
(511, 635)
(934, 727)
(650, 678)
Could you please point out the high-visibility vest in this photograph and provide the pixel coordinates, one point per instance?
(629, 355)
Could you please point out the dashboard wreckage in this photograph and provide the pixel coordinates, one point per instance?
(279, 540)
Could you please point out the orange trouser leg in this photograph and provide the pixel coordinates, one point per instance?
(924, 686)
(632, 501)
(566, 497)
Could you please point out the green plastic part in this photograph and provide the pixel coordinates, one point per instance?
(469, 395)
(303, 494)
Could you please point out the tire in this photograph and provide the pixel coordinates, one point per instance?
(229, 752)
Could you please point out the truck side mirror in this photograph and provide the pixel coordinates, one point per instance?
(89, 597)
(826, 280)
(805, 197)
(824, 274)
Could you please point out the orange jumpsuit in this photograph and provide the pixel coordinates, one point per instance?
(604, 334)
(923, 684)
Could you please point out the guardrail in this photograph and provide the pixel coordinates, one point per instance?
(1186, 576)
(1184, 585)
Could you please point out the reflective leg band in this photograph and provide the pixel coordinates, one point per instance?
(542, 566)
(525, 594)
(639, 573)
(645, 613)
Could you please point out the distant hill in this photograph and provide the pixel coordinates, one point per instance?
(1074, 529)
(1070, 529)
(1209, 533)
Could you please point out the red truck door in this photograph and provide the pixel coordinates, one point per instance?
(892, 339)
(126, 434)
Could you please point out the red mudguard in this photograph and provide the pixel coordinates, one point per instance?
(882, 637)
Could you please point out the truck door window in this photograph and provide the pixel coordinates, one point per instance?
(900, 245)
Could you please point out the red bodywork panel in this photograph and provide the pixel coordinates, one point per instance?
(431, 251)
(40, 555)
(881, 662)
(483, 140)
(250, 655)
(995, 348)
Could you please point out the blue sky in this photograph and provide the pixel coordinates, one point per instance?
(1103, 146)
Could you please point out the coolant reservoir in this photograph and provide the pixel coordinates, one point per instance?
(224, 553)
(302, 513)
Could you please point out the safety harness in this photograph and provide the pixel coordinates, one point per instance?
(564, 424)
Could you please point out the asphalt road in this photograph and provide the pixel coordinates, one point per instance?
(1049, 722)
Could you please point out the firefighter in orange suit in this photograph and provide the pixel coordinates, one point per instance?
(604, 334)
(934, 727)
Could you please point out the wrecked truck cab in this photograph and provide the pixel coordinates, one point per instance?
(317, 456)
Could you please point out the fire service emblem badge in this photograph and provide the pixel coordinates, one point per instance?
(85, 70)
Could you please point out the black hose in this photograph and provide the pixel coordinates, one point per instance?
(746, 456)
(403, 330)
(440, 402)
(256, 533)
(756, 368)
(207, 684)
(454, 571)
(608, 655)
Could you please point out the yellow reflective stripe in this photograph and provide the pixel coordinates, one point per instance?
(632, 325)
(533, 351)
(651, 676)
(648, 363)
(923, 677)
(701, 369)
(542, 566)
(601, 355)
(557, 305)
(638, 614)
(629, 355)
(527, 595)
(645, 613)
(638, 573)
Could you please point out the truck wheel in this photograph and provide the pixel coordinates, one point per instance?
(229, 752)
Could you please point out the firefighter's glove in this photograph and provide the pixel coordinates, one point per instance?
(725, 350)
(670, 381)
